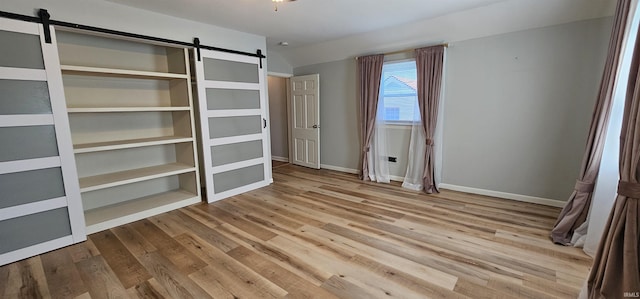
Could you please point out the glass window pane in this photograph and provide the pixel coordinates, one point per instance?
(234, 126)
(232, 99)
(399, 92)
(224, 70)
(20, 50)
(229, 180)
(19, 143)
(30, 186)
(24, 97)
(236, 152)
(17, 233)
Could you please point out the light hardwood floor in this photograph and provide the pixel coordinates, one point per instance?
(318, 234)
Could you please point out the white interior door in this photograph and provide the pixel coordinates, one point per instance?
(233, 124)
(305, 110)
(40, 205)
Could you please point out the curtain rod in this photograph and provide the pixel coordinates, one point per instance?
(44, 19)
(446, 45)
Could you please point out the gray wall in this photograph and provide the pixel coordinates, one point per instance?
(517, 109)
(339, 138)
(277, 64)
(278, 116)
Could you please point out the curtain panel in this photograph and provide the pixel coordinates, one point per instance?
(616, 267)
(575, 212)
(369, 77)
(429, 65)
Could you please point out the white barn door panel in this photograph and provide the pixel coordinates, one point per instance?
(40, 205)
(233, 123)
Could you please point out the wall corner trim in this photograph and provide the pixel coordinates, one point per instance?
(512, 196)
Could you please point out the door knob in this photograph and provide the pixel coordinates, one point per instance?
(316, 126)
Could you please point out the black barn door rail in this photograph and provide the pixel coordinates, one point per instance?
(44, 19)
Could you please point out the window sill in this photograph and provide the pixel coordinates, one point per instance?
(398, 124)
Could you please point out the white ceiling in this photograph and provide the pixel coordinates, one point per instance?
(305, 22)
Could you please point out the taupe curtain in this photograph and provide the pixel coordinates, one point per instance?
(429, 65)
(575, 211)
(616, 267)
(369, 77)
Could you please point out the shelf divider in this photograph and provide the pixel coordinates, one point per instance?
(129, 143)
(133, 210)
(125, 109)
(114, 179)
(99, 71)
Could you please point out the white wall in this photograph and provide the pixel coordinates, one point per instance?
(278, 115)
(124, 18)
(517, 109)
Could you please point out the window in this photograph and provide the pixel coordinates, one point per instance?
(398, 91)
(391, 113)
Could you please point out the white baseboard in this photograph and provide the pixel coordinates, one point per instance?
(355, 171)
(396, 178)
(280, 159)
(338, 168)
(518, 197)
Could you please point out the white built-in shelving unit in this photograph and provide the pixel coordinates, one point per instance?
(132, 123)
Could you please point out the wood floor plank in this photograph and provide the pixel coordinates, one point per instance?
(61, 272)
(432, 275)
(256, 230)
(450, 266)
(26, 279)
(233, 275)
(245, 206)
(83, 251)
(516, 290)
(284, 259)
(202, 231)
(169, 247)
(405, 279)
(281, 209)
(168, 225)
(486, 258)
(344, 289)
(128, 270)
(149, 289)
(101, 281)
(175, 282)
(379, 285)
(296, 286)
(5, 278)
(317, 234)
(133, 240)
(558, 290)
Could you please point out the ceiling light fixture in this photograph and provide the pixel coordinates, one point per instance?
(275, 3)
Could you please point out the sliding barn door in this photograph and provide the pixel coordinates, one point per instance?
(40, 206)
(233, 123)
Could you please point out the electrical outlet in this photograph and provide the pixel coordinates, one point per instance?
(393, 159)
